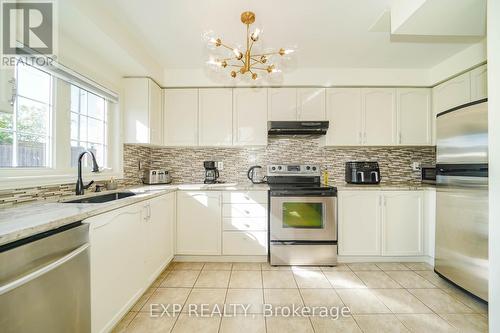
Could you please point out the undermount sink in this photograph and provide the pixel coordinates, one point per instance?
(103, 198)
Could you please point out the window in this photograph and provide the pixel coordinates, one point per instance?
(48, 117)
(88, 126)
(26, 127)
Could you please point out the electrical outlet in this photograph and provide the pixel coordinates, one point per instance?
(416, 166)
(220, 165)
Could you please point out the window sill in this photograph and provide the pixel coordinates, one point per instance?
(20, 182)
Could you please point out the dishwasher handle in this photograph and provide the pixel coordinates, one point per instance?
(41, 271)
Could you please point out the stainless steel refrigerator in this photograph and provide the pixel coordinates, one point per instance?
(462, 197)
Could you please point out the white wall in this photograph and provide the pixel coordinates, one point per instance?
(460, 62)
(494, 166)
(306, 77)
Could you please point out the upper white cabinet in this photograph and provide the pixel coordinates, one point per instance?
(402, 223)
(375, 223)
(289, 104)
(282, 104)
(216, 117)
(249, 116)
(359, 223)
(414, 116)
(479, 83)
(361, 116)
(343, 110)
(143, 112)
(181, 117)
(199, 223)
(311, 104)
(379, 108)
(452, 93)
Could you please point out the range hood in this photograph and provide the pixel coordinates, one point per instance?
(297, 127)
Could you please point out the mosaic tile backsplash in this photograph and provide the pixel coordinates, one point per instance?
(186, 164)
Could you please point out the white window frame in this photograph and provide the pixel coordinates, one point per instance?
(60, 170)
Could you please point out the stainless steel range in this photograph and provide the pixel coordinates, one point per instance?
(302, 216)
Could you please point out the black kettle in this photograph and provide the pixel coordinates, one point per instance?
(253, 175)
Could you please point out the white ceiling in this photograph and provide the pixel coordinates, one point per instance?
(327, 33)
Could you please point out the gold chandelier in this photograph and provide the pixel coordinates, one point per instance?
(245, 62)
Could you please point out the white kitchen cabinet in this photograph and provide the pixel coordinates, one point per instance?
(402, 223)
(381, 223)
(250, 116)
(129, 248)
(343, 109)
(311, 104)
(181, 117)
(414, 116)
(479, 83)
(159, 240)
(249, 243)
(359, 223)
(216, 117)
(143, 112)
(199, 223)
(379, 110)
(116, 264)
(452, 93)
(282, 104)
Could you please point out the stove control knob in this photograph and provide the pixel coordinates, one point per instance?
(279, 167)
(308, 167)
(273, 168)
(314, 168)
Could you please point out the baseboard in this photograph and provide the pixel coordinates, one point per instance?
(221, 258)
(353, 259)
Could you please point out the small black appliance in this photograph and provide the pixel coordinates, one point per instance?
(362, 173)
(211, 172)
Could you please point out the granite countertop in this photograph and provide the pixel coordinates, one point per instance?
(385, 187)
(29, 219)
(26, 220)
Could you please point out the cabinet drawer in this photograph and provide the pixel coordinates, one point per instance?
(244, 210)
(247, 197)
(244, 243)
(245, 223)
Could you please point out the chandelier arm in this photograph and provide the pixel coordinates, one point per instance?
(227, 46)
(238, 66)
(260, 68)
(257, 60)
(265, 54)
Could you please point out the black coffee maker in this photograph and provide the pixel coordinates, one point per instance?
(211, 172)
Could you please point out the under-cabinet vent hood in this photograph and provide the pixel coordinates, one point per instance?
(297, 127)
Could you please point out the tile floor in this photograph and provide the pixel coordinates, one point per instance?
(382, 297)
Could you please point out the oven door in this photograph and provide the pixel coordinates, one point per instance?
(303, 218)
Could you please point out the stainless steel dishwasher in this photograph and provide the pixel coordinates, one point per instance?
(45, 282)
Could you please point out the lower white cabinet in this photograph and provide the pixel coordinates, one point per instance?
(129, 247)
(402, 223)
(381, 223)
(159, 242)
(199, 223)
(359, 223)
(244, 243)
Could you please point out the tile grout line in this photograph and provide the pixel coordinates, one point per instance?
(191, 290)
(225, 298)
